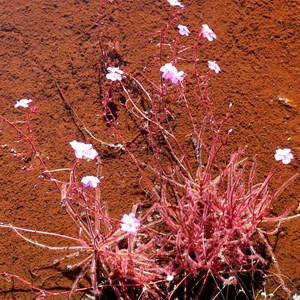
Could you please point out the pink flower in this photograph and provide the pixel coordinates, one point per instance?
(23, 103)
(83, 150)
(284, 155)
(183, 30)
(170, 72)
(175, 3)
(214, 66)
(206, 32)
(130, 223)
(114, 74)
(90, 181)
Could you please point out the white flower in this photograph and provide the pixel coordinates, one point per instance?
(90, 181)
(170, 72)
(263, 294)
(83, 150)
(175, 3)
(206, 32)
(284, 155)
(183, 30)
(214, 66)
(23, 103)
(130, 223)
(296, 297)
(170, 277)
(114, 74)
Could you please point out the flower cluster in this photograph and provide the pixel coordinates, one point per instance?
(169, 70)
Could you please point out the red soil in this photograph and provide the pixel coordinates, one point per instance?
(49, 53)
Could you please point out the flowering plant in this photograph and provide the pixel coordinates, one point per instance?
(199, 234)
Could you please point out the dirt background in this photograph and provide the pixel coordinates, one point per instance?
(50, 48)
